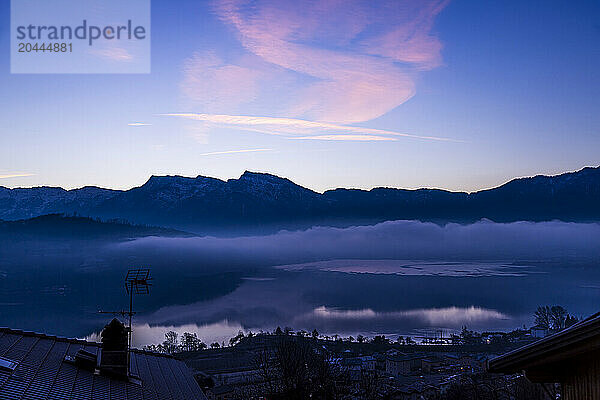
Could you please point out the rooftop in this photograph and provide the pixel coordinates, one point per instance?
(546, 358)
(42, 372)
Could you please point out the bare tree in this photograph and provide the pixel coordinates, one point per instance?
(295, 369)
(269, 373)
(555, 317)
(171, 343)
(370, 386)
(558, 317)
(543, 317)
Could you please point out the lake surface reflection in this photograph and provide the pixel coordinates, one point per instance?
(369, 304)
(404, 278)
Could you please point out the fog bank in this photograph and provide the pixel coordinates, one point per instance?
(484, 240)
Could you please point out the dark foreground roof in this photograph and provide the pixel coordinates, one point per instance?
(42, 373)
(551, 357)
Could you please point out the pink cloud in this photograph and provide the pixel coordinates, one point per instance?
(356, 138)
(215, 85)
(410, 39)
(360, 57)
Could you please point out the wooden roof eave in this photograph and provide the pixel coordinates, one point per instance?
(579, 340)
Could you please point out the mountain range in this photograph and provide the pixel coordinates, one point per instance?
(260, 202)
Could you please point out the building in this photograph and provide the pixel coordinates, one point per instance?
(353, 367)
(492, 337)
(232, 366)
(379, 361)
(571, 357)
(473, 362)
(39, 366)
(538, 331)
(403, 364)
(368, 363)
(431, 364)
(416, 387)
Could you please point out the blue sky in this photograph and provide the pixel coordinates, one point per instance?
(461, 95)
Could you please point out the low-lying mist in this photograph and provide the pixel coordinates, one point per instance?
(484, 240)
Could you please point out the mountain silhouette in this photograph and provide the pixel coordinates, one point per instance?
(260, 202)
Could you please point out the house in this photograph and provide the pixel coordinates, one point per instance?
(368, 363)
(430, 364)
(571, 357)
(39, 366)
(415, 388)
(451, 358)
(227, 366)
(473, 362)
(402, 364)
(379, 361)
(356, 366)
(538, 331)
(353, 367)
(492, 337)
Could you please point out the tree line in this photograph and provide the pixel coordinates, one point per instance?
(553, 318)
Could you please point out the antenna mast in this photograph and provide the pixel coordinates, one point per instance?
(137, 281)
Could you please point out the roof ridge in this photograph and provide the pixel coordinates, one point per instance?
(74, 340)
(46, 336)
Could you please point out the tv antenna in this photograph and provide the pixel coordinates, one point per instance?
(137, 281)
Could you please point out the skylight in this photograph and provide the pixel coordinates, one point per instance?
(7, 364)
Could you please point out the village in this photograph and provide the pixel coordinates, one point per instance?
(376, 368)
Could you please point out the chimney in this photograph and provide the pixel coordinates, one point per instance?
(114, 357)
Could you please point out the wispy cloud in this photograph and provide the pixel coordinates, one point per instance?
(356, 138)
(302, 129)
(347, 61)
(234, 151)
(5, 176)
(138, 124)
(113, 54)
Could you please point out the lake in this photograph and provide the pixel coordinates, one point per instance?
(338, 281)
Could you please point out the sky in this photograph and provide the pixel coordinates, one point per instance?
(460, 95)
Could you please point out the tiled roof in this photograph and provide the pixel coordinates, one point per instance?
(42, 373)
